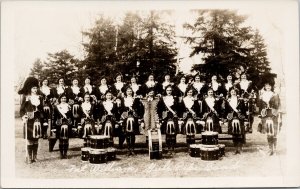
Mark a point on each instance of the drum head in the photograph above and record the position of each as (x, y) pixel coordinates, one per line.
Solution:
(98, 137)
(209, 133)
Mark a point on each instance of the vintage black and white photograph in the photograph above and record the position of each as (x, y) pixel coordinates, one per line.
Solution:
(150, 94)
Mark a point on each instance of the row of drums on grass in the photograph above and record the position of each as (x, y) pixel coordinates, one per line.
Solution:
(210, 149)
(98, 150)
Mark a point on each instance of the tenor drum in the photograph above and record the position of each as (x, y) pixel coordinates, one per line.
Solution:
(211, 153)
(111, 153)
(85, 153)
(155, 144)
(99, 141)
(210, 138)
(195, 150)
(98, 156)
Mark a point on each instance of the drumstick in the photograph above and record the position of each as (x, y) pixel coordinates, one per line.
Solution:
(26, 142)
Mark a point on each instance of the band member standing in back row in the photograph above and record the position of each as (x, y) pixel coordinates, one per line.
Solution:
(102, 89)
(151, 84)
(118, 88)
(167, 111)
(31, 113)
(130, 111)
(235, 114)
(200, 88)
(63, 122)
(89, 88)
(56, 92)
(166, 82)
(227, 86)
(47, 107)
(215, 86)
(74, 94)
(180, 89)
(134, 86)
(270, 124)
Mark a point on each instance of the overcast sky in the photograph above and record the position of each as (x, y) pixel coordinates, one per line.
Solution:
(41, 27)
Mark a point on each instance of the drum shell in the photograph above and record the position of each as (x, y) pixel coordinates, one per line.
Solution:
(221, 150)
(98, 156)
(85, 154)
(155, 155)
(98, 142)
(194, 150)
(111, 154)
(210, 138)
(209, 154)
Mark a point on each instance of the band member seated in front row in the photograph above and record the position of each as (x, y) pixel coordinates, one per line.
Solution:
(63, 122)
(167, 110)
(31, 113)
(108, 113)
(189, 114)
(235, 114)
(130, 110)
(47, 107)
(210, 111)
(75, 96)
(270, 124)
(149, 112)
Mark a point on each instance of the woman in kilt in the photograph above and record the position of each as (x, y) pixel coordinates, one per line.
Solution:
(235, 113)
(87, 112)
(47, 107)
(31, 112)
(131, 109)
(75, 96)
(269, 104)
(167, 111)
(63, 122)
(107, 112)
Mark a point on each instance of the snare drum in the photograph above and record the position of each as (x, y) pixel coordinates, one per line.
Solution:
(99, 141)
(111, 153)
(98, 156)
(210, 138)
(211, 153)
(195, 150)
(221, 150)
(85, 152)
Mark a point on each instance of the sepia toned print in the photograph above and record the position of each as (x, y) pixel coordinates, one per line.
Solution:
(152, 92)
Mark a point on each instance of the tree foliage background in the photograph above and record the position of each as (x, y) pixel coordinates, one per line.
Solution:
(143, 43)
(227, 44)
